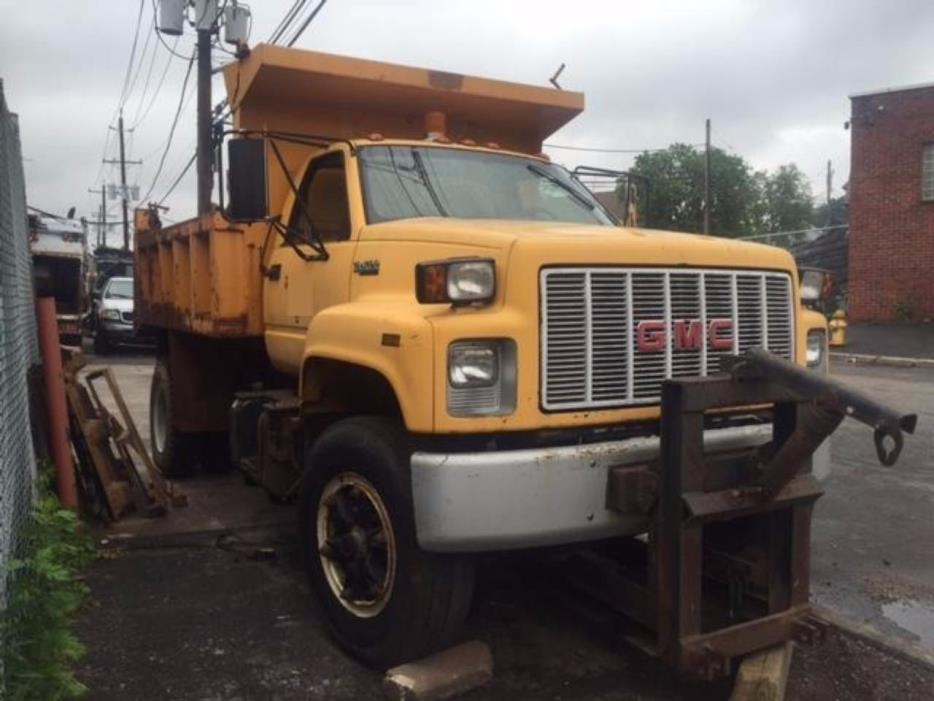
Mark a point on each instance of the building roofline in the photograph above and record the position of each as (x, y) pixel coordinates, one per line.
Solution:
(900, 88)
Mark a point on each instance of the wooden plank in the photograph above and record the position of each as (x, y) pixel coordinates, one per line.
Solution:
(763, 676)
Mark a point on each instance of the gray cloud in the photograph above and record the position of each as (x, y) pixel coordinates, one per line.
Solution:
(773, 76)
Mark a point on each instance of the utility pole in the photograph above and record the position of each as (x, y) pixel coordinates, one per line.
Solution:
(124, 193)
(205, 177)
(829, 193)
(102, 219)
(707, 180)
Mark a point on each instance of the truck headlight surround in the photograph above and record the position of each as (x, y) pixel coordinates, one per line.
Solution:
(481, 377)
(456, 281)
(816, 352)
(110, 314)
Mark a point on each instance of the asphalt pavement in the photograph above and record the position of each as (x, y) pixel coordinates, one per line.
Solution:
(193, 607)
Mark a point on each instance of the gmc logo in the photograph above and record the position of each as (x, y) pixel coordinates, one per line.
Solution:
(687, 334)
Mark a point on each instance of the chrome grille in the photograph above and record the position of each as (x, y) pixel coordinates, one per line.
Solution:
(593, 319)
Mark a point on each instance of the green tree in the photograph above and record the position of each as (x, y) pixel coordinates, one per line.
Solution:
(743, 202)
(676, 193)
(786, 200)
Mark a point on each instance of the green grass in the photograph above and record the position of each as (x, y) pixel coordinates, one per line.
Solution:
(40, 649)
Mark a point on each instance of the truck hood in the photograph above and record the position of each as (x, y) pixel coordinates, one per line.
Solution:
(560, 242)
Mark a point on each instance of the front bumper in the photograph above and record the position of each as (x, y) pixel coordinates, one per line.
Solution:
(472, 502)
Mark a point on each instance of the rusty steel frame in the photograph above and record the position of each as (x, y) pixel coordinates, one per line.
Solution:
(685, 507)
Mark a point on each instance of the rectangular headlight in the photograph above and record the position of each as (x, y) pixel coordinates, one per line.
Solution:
(457, 281)
(815, 284)
(481, 377)
(816, 349)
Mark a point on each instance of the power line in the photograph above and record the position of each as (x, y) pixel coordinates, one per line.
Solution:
(168, 144)
(179, 178)
(283, 26)
(786, 233)
(142, 95)
(594, 149)
(142, 60)
(310, 18)
(129, 67)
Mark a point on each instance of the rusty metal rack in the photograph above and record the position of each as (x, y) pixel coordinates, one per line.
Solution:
(725, 568)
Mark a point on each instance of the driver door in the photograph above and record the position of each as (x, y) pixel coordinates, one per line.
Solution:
(296, 289)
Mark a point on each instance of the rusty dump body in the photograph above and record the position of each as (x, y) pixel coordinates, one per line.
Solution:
(203, 275)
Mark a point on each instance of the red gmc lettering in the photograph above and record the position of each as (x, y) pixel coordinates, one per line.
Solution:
(688, 334)
(721, 334)
(650, 336)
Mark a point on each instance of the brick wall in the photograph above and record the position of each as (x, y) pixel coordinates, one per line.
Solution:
(891, 269)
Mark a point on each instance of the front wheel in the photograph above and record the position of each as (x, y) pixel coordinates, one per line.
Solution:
(386, 600)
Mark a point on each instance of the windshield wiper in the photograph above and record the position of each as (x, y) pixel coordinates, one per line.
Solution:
(542, 173)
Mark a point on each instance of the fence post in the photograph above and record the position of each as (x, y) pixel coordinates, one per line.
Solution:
(55, 401)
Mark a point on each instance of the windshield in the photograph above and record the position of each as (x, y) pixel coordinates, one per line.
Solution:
(120, 289)
(403, 182)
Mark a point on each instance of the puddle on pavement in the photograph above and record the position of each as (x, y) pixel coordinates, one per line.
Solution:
(914, 617)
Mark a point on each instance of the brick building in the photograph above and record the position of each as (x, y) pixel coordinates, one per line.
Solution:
(891, 256)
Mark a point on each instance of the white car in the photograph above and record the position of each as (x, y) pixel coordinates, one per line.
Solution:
(114, 323)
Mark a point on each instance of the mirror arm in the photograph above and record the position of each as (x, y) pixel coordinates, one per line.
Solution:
(317, 244)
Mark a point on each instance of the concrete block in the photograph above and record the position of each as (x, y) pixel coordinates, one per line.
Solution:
(764, 675)
(441, 676)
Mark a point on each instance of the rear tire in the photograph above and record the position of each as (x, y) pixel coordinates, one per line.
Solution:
(386, 600)
(171, 448)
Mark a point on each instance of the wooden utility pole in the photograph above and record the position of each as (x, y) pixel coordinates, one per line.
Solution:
(102, 219)
(829, 193)
(205, 179)
(124, 193)
(707, 180)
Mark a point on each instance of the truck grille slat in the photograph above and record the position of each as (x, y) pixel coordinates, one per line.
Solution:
(593, 318)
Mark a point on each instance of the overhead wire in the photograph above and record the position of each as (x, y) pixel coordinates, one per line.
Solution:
(139, 118)
(286, 21)
(308, 20)
(129, 67)
(168, 144)
(597, 149)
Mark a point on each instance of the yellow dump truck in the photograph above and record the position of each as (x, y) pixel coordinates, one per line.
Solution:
(409, 319)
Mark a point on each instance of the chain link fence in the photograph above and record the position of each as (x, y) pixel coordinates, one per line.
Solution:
(18, 345)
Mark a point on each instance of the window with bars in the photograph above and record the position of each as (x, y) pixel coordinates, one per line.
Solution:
(927, 173)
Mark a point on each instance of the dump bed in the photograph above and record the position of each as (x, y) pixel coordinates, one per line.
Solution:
(203, 275)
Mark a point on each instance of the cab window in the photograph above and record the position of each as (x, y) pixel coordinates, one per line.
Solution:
(322, 210)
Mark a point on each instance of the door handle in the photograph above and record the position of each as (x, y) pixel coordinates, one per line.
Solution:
(274, 272)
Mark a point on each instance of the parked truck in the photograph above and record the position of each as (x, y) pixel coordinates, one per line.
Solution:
(409, 319)
(59, 252)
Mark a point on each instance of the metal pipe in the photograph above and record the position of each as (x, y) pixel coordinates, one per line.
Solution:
(55, 402)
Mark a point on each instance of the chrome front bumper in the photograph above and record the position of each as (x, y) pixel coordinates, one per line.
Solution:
(472, 502)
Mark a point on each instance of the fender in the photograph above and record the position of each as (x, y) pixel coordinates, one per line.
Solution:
(388, 337)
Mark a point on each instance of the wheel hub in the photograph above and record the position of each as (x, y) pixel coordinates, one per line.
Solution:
(356, 544)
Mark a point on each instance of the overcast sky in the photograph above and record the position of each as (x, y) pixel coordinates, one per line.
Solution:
(773, 76)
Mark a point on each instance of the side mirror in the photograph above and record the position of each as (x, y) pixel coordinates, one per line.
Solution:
(246, 181)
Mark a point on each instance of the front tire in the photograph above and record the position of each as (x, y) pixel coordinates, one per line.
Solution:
(386, 600)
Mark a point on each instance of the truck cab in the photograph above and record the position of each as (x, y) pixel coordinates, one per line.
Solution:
(433, 338)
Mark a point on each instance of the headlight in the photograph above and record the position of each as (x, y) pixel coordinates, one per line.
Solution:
(110, 314)
(816, 349)
(481, 378)
(815, 284)
(473, 365)
(458, 281)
